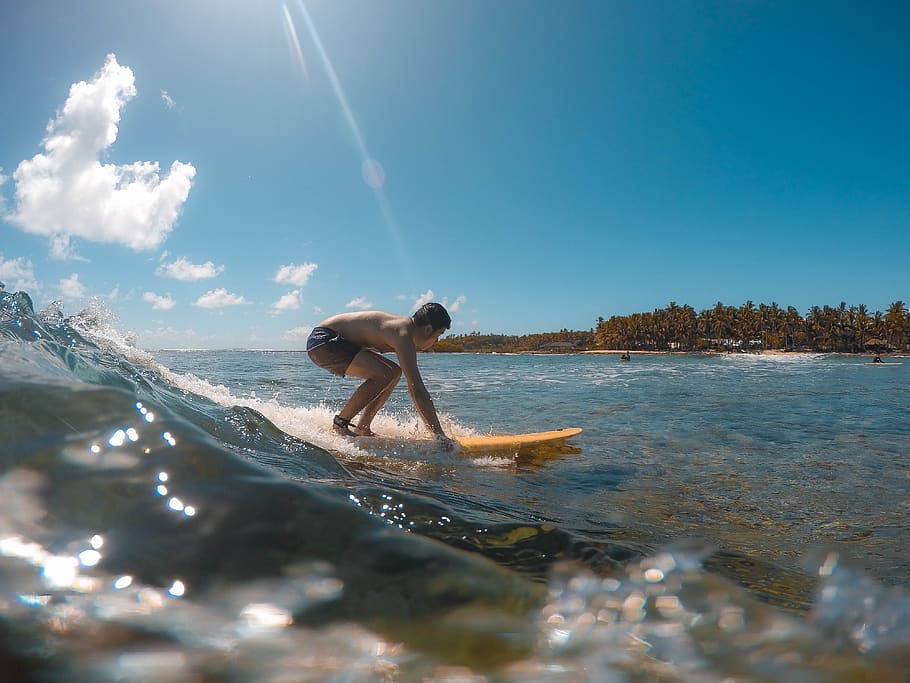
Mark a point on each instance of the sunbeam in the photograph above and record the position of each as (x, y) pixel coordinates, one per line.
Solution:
(294, 40)
(371, 171)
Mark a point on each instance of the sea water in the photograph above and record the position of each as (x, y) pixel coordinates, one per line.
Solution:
(189, 515)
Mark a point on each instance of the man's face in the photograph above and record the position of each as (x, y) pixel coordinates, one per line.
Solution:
(428, 336)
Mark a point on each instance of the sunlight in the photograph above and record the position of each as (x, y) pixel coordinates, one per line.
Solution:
(294, 41)
(372, 172)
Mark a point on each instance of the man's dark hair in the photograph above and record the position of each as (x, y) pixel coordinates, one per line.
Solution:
(432, 314)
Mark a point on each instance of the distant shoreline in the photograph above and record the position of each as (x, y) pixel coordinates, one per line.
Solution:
(765, 352)
(591, 352)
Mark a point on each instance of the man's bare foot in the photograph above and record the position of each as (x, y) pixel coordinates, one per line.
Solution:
(343, 426)
(363, 431)
(346, 428)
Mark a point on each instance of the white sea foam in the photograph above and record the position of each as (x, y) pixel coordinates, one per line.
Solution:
(773, 357)
(310, 423)
(492, 461)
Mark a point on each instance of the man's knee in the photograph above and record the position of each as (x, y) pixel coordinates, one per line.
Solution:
(392, 374)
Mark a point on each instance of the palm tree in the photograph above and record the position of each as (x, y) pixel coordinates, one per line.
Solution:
(747, 327)
(705, 324)
(774, 323)
(897, 325)
(879, 329)
(862, 324)
(720, 324)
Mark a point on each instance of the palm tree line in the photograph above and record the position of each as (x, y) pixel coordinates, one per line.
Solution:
(843, 329)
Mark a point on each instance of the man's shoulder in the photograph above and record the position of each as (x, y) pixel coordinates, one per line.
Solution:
(397, 326)
(379, 318)
(362, 319)
(372, 328)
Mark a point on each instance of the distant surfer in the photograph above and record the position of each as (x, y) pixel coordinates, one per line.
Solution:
(626, 356)
(353, 344)
(877, 359)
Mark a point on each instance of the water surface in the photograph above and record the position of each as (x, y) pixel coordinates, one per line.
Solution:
(190, 516)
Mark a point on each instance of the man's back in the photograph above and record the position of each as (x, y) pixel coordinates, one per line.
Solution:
(371, 329)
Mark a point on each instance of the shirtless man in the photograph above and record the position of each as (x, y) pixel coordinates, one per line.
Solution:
(353, 344)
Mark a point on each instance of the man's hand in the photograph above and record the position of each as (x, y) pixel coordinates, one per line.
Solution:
(447, 444)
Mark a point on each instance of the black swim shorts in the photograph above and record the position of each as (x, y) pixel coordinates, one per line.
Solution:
(330, 351)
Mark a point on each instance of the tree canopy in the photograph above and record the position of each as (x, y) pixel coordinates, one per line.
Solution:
(846, 329)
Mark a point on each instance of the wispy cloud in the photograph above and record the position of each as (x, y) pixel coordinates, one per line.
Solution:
(159, 302)
(184, 269)
(219, 298)
(169, 337)
(298, 333)
(424, 298)
(71, 288)
(428, 296)
(295, 275)
(289, 302)
(456, 305)
(113, 295)
(18, 274)
(65, 192)
(360, 303)
(168, 100)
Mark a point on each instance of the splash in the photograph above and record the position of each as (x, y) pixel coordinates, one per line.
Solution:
(310, 423)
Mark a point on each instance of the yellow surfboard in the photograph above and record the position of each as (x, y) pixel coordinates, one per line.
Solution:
(475, 444)
(498, 442)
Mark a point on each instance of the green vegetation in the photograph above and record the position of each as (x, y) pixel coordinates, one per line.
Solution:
(842, 329)
(563, 341)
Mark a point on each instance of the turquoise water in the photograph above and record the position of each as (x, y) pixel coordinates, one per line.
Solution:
(189, 516)
(767, 455)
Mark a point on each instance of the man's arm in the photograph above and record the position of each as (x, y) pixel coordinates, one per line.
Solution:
(407, 358)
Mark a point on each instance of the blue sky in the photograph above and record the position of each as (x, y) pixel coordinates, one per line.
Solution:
(228, 173)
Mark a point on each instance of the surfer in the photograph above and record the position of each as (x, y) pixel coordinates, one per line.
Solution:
(353, 344)
(877, 359)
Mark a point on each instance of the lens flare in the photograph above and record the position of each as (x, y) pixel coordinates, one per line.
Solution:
(372, 171)
(294, 41)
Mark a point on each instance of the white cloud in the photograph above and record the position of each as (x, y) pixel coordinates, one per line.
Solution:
(168, 100)
(289, 302)
(219, 298)
(298, 333)
(65, 192)
(429, 296)
(456, 305)
(18, 274)
(113, 295)
(71, 288)
(183, 269)
(158, 302)
(171, 338)
(61, 249)
(295, 275)
(424, 298)
(360, 303)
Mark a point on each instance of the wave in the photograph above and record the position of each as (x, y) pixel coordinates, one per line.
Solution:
(156, 526)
